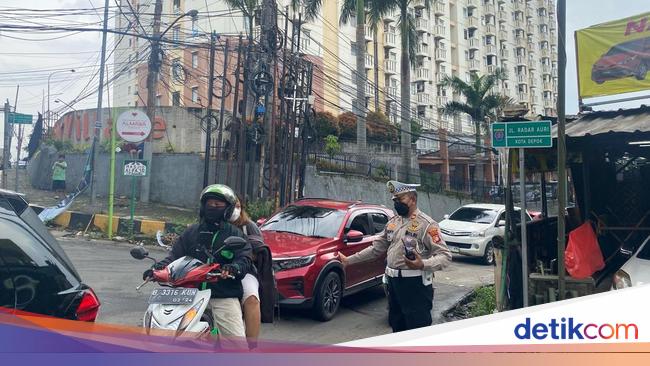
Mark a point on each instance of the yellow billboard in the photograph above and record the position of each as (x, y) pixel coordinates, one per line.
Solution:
(614, 57)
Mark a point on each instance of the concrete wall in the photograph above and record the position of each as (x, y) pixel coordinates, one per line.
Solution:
(342, 187)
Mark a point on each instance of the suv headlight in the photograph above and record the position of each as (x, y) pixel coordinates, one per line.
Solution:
(291, 263)
(476, 234)
(621, 280)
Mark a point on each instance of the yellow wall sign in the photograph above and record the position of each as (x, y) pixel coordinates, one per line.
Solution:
(614, 57)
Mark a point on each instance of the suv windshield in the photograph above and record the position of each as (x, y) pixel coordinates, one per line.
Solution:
(307, 221)
(474, 214)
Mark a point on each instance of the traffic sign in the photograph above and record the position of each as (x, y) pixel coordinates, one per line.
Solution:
(20, 118)
(522, 134)
(133, 126)
(135, 168)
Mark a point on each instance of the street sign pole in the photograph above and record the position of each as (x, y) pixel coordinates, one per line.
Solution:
(524, 238)
(134, 168)
(133, 179)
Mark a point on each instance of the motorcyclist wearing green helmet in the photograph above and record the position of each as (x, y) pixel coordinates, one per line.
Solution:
(208, 236)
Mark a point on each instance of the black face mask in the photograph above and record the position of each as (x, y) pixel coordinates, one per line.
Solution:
(402, 209)
(213, 215)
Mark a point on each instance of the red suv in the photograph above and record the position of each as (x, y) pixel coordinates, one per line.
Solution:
(305, 239)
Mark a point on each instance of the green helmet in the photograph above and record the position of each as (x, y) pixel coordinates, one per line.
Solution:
(219, 191)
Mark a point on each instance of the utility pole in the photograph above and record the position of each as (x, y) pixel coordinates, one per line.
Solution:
(235, 112)
(19, 138)
(360, 105)
(152, 76)
(222, 110)
(561, 146)
(6, 145)
(208, 124)
(100, 117)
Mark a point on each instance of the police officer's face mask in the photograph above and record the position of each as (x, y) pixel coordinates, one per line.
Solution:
(401, 208)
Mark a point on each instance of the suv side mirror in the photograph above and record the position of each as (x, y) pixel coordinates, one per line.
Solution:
(235, 243)
(445, 217)
(139, 253)
(353, 236)
(501, 223)
(261, 221)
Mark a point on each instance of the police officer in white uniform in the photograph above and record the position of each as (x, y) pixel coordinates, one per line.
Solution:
(409, 234)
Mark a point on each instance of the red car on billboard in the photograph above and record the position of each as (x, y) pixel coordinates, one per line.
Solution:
(305, 239)
(626, 59)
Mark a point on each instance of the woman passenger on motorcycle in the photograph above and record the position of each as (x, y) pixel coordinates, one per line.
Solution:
(259, 283)
(204, 241)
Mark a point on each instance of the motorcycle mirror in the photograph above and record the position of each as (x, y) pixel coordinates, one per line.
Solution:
(235, 243)
(139, 253)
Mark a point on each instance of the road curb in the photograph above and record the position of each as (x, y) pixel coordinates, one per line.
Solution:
(74, 220)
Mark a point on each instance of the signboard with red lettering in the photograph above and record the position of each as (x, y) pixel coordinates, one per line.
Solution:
(133, 126)
(614, 57)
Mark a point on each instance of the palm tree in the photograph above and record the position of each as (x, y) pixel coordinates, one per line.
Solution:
(481, 104)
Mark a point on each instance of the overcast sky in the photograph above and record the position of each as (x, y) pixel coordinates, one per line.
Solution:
(30, 62)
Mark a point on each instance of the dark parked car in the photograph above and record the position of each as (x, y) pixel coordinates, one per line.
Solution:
(36, 275)
(626, 59)
(305, 239)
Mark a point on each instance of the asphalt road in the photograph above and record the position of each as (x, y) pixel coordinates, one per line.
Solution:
(109, 269)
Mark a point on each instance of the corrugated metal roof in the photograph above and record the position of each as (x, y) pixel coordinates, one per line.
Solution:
(602, 122)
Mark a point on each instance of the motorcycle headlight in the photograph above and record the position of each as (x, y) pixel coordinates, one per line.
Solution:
(291, 263)
(189, 316)
(621, 280)
(476, 234)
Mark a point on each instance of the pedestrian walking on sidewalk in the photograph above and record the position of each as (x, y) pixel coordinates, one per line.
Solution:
(414, 250)
(58, 175)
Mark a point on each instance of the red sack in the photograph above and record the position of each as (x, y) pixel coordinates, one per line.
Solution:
(583, 256)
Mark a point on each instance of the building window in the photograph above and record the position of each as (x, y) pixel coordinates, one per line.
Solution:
(195, 94)
(195, 60)
(176, 99)
(306, 40)
(177, 4)
(176, 35)
(136, 103)
(195, 26)
(157, 100)
(353, 48)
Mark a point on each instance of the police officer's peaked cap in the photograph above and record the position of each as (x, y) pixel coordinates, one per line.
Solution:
(396, 188)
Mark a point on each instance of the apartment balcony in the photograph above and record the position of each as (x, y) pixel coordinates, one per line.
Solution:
(422, 50)
(491, 69)
(543, 36)
(441, 77)
(532, 64)
(439, 31)
(522, 79)
(390, 40)
(503, 35)
(490, 49)
(532, 47)
(472, 3)
(548, 103)
(491, 29)
(441, 55)
(442, 100)
(554, 73)
(530, 28)
(474, 65)
(519, 25)
(522, 97)
(535, 99)
(548, 86)
(390, 67)
(545, 53)
(503, 16)
(542, 19)
(518, 5)
(418, 4)
(422, 25)
(392, 92)
(546, 70)
(505, 54)
(422, 98)
(551, 6)
(368, 33)
(439, 8)
(521, 42)
(489, 9)
(370, 62)
(553, 54)
(542, 4)
(522, 61)
(391, 16)
(370, 90)
(474, 43)
(473, 22)
(422, 74)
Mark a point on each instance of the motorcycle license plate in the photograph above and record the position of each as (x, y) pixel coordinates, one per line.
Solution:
(173, 296)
